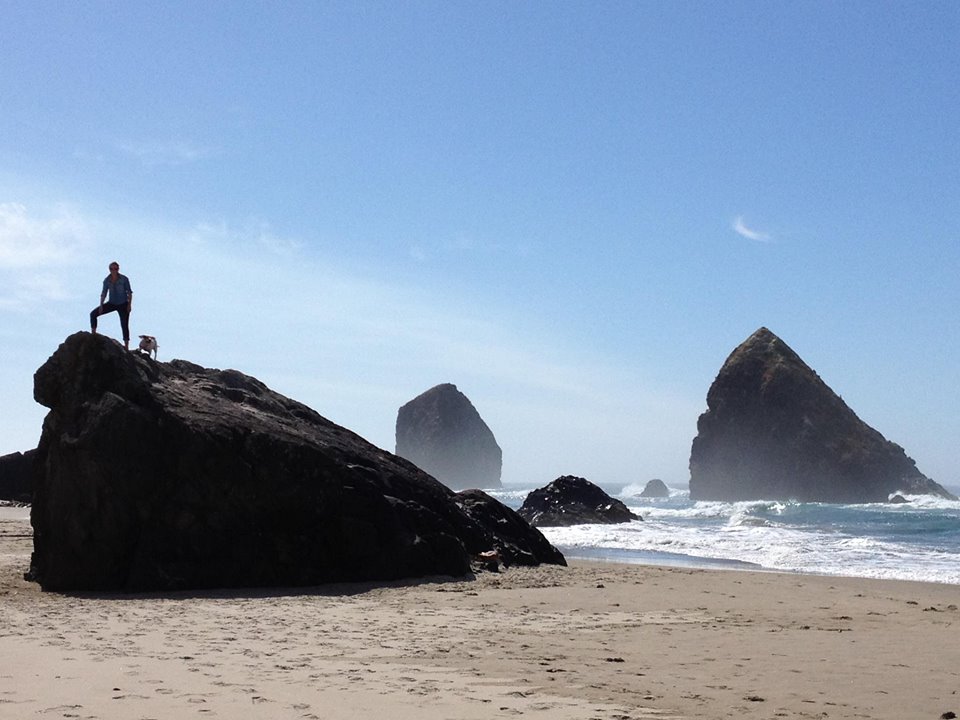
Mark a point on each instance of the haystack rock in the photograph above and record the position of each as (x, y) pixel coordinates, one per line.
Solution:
(571, 500)
(773, 430)
(442, 432)
(161, 476)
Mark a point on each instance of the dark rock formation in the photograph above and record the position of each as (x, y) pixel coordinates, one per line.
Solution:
(16, 470)
(655, 489)
(570, 500)
(774, 430)
(441, 432)
(159, 476)
(513, 539)
(898, 500)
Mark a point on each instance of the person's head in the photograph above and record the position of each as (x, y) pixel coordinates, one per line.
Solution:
(114, 267)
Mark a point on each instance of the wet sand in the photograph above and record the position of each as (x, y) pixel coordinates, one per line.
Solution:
(595, 640)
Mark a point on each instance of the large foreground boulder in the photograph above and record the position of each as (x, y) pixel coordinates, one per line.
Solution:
(571, 500)
(16, 471)
(774, 430)
(159, 476)
(442, 432)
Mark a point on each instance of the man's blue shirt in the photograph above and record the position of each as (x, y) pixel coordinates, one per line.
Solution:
(119, 292)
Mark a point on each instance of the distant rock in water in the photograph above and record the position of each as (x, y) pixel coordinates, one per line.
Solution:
(655, 489)
(773, 430)
(441, 432)
(571, 500)
(16, 471)
(159, 476)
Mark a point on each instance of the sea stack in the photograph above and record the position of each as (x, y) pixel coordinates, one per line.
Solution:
(774, 430)
(656, 488)
(571, 500)
(155, 476)
(441, 432)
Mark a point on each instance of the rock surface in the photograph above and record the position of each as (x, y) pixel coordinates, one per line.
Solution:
(655, 489)
(161, 476)
(773, 430)
(441, 432)
(571, 500)
(513, 532)
(16, 470)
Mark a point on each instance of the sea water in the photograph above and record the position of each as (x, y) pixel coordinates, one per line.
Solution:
(918, 540)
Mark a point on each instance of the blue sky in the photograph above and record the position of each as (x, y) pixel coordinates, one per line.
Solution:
(573, 211)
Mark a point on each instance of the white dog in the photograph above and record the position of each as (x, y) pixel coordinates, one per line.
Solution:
(148, 343)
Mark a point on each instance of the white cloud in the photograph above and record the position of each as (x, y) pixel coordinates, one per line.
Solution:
(742, 230)
(165, 152)
(27, 241)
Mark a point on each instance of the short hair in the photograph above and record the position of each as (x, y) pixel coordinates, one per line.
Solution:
(110, 266)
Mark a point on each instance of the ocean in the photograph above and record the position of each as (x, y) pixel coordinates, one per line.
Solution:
(919, 540)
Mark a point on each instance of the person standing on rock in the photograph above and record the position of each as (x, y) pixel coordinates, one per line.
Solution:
(117, 286)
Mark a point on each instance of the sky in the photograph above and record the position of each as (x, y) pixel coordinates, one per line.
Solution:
(573, 211)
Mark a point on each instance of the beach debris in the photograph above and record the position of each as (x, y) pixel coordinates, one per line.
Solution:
(488, 559)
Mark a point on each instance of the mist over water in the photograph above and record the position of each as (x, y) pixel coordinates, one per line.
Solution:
(919, 540)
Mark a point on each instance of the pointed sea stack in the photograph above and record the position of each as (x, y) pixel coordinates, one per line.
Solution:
(774, 430)
(442, 433)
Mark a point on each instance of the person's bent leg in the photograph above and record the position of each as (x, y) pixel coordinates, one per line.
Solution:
(94, 314)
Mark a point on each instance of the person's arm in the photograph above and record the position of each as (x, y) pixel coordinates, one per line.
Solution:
(129, 297)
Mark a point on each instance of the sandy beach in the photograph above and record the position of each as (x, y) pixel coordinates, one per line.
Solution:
(594, 640)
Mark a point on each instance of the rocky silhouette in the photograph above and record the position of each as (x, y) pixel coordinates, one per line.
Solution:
(513, 532)
(571, 500)
(16, 470)
(160, 476)
(441, 432)
(774, 430)
(655, 489)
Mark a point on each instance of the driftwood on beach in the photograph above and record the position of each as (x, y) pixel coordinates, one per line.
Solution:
(157, 476)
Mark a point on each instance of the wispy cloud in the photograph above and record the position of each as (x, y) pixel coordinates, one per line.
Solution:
(165, 152)
(38, 248)
(30, 241)
(253, 233)
(741, 229)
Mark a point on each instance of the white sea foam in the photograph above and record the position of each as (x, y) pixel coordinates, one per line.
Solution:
(768, 545)
(919, 540)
